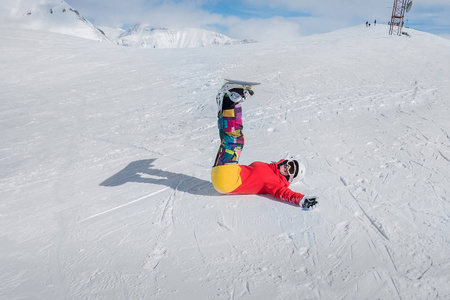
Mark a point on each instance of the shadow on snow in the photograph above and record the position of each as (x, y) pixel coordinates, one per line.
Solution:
(142, 171)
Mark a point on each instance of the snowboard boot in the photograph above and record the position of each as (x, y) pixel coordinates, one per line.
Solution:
(231, 94)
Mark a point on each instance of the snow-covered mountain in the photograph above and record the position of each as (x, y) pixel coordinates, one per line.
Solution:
(111, 32)
(106, 155)
(59, 17)
(149, 37)
(48, 15)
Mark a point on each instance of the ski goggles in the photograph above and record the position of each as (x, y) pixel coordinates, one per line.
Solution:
(292, 169)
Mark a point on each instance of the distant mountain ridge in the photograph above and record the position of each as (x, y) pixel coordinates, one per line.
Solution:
(59, 17)
(153, 37)
(48, 15)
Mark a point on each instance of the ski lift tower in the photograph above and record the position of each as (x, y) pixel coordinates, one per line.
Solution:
(398, 14)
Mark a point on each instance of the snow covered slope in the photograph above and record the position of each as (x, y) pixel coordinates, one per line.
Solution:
(111, 32)
(105, 158)
(149, 37)
(48, 15)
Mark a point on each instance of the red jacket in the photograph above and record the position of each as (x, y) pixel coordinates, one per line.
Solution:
(262, 178)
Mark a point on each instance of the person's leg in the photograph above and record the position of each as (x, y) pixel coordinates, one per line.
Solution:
(225, 174)
(230, 131)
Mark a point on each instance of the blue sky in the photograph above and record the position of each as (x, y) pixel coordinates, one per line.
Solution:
(431, 18)
(247, 10)
(262, 19)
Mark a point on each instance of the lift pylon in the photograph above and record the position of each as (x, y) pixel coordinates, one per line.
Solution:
(398, 14)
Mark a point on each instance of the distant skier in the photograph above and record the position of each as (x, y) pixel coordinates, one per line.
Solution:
(375, 23)
(228, 176)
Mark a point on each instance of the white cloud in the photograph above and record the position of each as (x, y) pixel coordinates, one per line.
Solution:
(273, 29)
(322, 16)
(313, 16)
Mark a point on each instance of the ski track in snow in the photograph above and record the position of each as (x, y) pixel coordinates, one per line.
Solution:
(106, 155)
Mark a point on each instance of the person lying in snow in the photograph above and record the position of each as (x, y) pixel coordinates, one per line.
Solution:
(228, 176)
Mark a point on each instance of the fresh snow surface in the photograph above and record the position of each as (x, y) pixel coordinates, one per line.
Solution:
(106, 152)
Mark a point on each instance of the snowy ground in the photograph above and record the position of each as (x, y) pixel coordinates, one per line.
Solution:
(105, 158)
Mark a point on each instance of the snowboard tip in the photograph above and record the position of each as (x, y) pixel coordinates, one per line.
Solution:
(241, 82)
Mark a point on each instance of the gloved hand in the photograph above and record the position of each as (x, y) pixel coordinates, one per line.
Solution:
(308, 201)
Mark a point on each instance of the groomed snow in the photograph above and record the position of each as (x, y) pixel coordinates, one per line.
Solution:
(106, 151)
